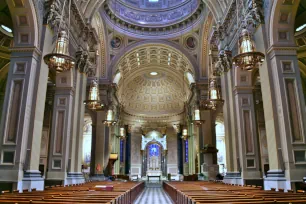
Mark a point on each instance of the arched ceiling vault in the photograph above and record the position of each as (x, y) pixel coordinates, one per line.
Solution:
(181, 57)
(161, 94)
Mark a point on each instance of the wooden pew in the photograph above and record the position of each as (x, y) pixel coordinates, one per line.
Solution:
(216, 192)
(121, 193)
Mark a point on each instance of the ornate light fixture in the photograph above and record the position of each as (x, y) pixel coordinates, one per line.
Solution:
(60, 60)
(110, 119)
(122, 133)
(93, 101)
(214, 96)
(247, 58)
(184, 133)
(197, 116)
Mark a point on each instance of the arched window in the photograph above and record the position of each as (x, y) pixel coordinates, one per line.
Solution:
(117, 78)
(190, 78)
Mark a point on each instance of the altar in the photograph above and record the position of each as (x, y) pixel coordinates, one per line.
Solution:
(154, 156)
(154, 173)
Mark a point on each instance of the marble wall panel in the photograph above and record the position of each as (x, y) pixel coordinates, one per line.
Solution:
(135, 148)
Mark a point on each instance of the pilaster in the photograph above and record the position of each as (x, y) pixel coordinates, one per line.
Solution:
(246, 124)
(59, 161)
(288, 114)
(21, 123)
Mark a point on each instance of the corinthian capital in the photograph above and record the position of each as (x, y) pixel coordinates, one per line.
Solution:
(82, 61)
(224, 62)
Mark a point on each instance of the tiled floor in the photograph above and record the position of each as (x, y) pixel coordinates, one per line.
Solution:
(153, 196)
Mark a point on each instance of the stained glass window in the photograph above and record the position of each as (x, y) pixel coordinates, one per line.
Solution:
(154, 150)
(186, 150)
(121, 150)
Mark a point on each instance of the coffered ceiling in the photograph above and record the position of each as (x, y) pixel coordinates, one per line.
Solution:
(153, 82)
(148, 95)
(157, 55)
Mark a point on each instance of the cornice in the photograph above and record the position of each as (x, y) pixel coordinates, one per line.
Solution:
(281, 48)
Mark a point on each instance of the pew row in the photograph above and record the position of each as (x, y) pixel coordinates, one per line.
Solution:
(212, 192)
(91, 192)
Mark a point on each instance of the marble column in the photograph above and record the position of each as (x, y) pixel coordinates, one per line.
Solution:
(261, 128)
(100, 146)
(93, 149)
(116, 149)
(210, 166)
(246, 126)
(59, 161)
(128, 152)
(233, 174)
(180, 160)
(284, 110)
(21, 123)
(75, 175)
(191, 149)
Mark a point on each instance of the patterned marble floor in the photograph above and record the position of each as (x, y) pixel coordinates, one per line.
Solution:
(153, 196)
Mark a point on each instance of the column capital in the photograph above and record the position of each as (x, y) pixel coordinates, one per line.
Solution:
(85, 63)
(18, 52)
(177, 128)
(223, 63)
(275, 50)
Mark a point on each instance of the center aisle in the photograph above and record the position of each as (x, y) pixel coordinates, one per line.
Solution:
(153, 196)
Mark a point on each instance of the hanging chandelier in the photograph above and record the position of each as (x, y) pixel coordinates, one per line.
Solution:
(93, 101)
(110, 118)
(197, 116)
(247, 58)
(185, 133)
(122, 133)
(60, 60)
(214, 95)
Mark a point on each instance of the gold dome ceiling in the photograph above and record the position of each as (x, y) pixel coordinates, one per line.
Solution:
(151, 95)
(153, 82)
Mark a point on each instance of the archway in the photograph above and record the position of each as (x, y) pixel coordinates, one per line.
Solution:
(154, 154)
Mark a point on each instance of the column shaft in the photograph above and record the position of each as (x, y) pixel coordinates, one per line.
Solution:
(229, 125)
(21, 123)
(58, 164)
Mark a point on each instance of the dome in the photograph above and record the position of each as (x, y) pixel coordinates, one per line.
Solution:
(152, 17)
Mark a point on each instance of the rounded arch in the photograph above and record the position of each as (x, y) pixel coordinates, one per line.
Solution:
(25, 25)
(206, 30)
(282, 9)
(154, 137)
(154, 142)
(102, 61)
(171, 45)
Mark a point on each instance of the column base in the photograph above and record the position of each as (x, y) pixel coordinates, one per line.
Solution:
(276, 179)
(233, 178)
(211, 171)
(74, 178)
(31, 179)
(97, 177)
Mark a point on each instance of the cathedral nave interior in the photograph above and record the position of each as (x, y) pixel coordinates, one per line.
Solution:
(153, 94)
